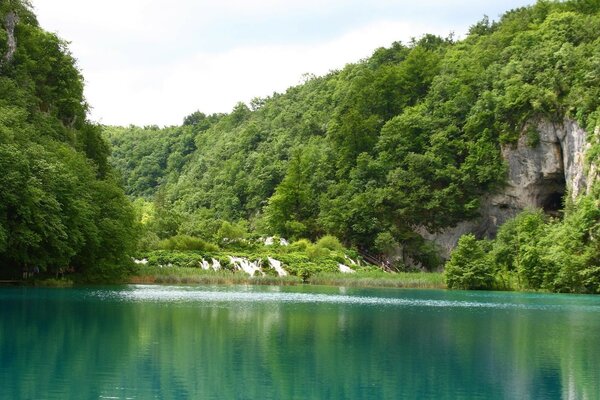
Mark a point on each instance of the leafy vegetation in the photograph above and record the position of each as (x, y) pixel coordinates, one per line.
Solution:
(362, 158)
(60, 206)
(468, 267)
(366, 278)
(413, 280)
(302, 259)
(534, 252)
(407, 138)
(191, 275)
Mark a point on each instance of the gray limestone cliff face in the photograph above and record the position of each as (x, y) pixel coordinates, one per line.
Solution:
(10, 22)
(538, 177)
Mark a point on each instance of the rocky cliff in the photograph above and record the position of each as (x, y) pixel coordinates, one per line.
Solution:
(543, 166)
(10, 21)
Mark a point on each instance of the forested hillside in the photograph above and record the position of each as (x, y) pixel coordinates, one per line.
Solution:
(408, 138)
(60, 206)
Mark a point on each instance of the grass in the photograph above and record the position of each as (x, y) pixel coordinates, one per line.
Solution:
(421, 280)
(185, 275)
(54, 282)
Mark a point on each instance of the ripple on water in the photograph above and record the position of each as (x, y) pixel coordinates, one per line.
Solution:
(182, 294)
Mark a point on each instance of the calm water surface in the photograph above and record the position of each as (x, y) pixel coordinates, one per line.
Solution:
(172, 342)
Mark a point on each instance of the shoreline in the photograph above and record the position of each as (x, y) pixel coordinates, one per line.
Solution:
(191, 276)
(367, 279)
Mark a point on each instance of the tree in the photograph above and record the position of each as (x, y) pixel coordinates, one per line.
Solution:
(60, 206)
(468, 267)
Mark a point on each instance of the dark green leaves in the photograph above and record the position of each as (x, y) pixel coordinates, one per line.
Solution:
(60, 207)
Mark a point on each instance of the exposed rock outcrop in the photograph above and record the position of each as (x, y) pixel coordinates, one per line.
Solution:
(10, 22)
(593, 174)
(540, 172)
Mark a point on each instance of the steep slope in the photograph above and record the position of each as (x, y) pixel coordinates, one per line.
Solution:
(60, 207)
(407, 144)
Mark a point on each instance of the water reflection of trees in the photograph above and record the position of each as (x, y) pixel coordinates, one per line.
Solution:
(284, 351)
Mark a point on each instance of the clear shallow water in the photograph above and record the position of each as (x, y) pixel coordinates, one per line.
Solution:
(173, 342)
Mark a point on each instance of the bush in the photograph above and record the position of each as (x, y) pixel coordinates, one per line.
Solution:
(148, 241)
(516, 248)
(571, 249)
(331, 243)
(468, 267)
(315, 252)
(300, 245)
(295, 229)
(174, 258)
(231, 231)
(185, 242)
(385, 243)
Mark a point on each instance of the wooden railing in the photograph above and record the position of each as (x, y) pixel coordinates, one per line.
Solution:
(375, 260)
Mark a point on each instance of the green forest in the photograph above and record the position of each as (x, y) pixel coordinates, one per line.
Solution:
(347, 164)
(62, 207)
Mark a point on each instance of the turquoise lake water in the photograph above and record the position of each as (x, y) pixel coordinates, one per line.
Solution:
(174, 342)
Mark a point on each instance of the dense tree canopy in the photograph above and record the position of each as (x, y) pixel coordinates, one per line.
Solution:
(406, 138)
(60, 207)
(533, 251)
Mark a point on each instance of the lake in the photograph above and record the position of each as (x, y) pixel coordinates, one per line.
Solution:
(190, 342)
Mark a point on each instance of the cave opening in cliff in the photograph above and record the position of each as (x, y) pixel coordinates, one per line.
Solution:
(554, 203)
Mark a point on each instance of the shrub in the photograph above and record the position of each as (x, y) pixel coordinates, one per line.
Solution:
(517, 248)
(571, 250)
(148, 241)
(300, 245)
(231, 231)
(385, 243)
(469, 267)
(295, 228)
(185, 242)
(315, 252)
(331, 243)
(174, 258)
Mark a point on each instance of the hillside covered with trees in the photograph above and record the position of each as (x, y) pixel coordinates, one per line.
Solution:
(60, 206)
(407, 138)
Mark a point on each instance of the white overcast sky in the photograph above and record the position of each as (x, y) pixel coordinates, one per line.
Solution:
(155, 61)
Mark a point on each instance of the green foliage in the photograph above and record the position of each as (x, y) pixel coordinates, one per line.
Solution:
(571, 249)
(409, 137)
(302, 259)
(468, 267)
(366, 278)
(532, 137)
(331, 243)
(315, 253)
(533, 252)
(517, 248)
(60, 205)
(276, 166)
(232, 232)
(301, 245)
(146, 157)
(185, 242)
(385, 243)
(176, 258)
